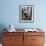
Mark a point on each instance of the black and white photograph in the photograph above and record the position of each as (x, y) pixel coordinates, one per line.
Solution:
(26, 13)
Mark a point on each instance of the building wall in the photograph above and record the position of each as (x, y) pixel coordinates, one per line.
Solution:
(9, 13)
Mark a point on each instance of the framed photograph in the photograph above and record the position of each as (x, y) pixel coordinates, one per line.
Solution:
(26, 13)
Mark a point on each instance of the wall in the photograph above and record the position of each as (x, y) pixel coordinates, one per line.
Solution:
(9, 13)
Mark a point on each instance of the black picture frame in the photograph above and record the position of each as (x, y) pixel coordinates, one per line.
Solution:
(26, 13)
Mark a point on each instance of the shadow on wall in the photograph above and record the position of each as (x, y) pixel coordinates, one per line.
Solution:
(2, 26)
